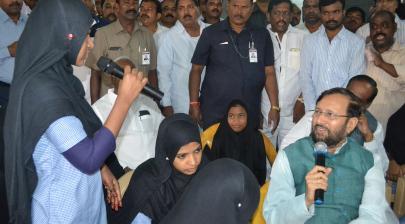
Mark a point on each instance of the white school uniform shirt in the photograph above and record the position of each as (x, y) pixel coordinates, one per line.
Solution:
(136, 140)
(176, 48)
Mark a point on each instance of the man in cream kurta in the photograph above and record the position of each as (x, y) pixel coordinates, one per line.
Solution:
(287, 44)
(386, 65)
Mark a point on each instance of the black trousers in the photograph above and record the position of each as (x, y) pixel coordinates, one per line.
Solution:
(3, 195)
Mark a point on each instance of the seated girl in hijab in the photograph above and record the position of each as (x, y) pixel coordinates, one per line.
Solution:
(224, 192)
(158, 183)
(54, 143)
(234, 138)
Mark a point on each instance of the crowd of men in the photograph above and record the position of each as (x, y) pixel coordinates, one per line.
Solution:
(287, 70)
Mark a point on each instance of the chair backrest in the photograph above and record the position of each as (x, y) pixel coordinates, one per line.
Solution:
(124, 182)
(258, 215)
(207, 138)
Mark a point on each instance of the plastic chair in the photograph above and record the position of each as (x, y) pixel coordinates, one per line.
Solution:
(124, 182)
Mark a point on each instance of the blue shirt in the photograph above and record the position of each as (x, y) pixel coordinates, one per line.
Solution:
(10, 32)
(325, 65)
(63, 193)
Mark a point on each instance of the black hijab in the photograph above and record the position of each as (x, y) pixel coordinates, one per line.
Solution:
(223, 192)
(246, 146)
(43, 89)
(394, 138)
(155, 185)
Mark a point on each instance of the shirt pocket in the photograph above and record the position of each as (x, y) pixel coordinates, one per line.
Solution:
(114, 52)
(294, 58)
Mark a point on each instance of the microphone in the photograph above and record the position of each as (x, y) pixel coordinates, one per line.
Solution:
(108, 66)
(320, 151)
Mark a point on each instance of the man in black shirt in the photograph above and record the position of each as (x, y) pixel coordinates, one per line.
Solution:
(239, 60)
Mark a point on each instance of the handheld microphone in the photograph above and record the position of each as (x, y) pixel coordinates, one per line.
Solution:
(108, 66)
(320, 151)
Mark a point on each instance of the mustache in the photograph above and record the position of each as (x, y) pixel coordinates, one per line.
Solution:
(331, 21)
(375, 35)
(169, 15)
(239, 16)
(320, 126)
(187, 16)
(145, 16)
(131, 11)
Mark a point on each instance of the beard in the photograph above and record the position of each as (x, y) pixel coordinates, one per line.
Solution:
(332, 25)
(331, 139)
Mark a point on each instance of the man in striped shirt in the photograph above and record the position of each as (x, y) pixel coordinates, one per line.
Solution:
(330, 56)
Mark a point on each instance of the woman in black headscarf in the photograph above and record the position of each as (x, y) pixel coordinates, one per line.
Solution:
(157, 184)
(224, 192)
(54, 143)
(236, 139)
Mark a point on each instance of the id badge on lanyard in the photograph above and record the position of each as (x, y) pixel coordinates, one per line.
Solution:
(252, 53)
(145, 57)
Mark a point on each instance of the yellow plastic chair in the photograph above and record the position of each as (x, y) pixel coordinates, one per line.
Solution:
(208, 136)
(258, 215)
(124, 182)
(206, 139)
(398, 199)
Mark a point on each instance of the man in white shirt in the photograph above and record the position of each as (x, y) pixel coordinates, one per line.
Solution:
(391, 6)
(176, 47)
(150, 12)
(371, 130)
(353, 184)
(136, 140)
(287, 44)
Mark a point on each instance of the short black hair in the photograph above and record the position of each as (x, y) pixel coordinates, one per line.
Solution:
(354, 108)
(323, 3)
(383, 13)
(195, 3)
(357, 9)
(277, 2)
(369, 80)
(157, 4)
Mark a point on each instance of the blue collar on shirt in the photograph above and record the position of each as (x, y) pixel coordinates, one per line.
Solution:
(5, 18)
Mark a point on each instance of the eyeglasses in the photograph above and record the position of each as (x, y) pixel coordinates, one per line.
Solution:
(327, 114)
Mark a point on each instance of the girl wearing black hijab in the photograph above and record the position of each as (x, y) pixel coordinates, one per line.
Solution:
(236, 139)
(224, 192)
(157, 184)
(54, 143)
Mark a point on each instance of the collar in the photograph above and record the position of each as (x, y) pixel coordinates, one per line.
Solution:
(341, 35)
(111, 95)
(5, 18)
(290, 29)
(338, 149)
(179, 28)
(397, 19)
(117, 27)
